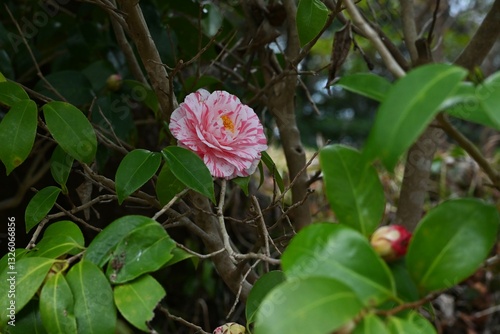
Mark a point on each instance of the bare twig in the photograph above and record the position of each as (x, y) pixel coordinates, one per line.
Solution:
(261, 224)
(186, 323)
(198, 255)
(220, 217)
(409, 28)
(368, 31)
(169, 204)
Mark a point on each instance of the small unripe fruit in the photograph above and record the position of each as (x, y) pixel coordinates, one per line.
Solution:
(230, 328)
(391, 242)
(114, 82)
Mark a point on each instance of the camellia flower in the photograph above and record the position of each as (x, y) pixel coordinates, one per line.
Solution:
(230, 328)
(224, 132)
(391, 242)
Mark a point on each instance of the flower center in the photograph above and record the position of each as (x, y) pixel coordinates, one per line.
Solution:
(228, 123)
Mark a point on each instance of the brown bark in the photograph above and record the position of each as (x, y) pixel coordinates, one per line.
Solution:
(150, 57)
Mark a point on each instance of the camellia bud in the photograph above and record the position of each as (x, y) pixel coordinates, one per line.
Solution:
(391, 242)
(114, 82)
(230, 328)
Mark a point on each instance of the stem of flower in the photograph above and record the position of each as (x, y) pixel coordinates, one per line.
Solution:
(222, 225)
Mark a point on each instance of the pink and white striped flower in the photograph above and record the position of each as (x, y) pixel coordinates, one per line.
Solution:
(224, 132)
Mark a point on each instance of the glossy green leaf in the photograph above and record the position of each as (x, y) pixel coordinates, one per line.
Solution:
(311, 17)
(409, 107)
(145, 249)
(488, 94)
(40, 205)
(28, 320)
(243, 183)
(11, 257)
(371, 324)
(136, 300)
(94, 308)
(406, 288)
(60, 167)
(369, 85)
(17, 133)
(100, 248)
(268, 161)
(306, 306)
(71, 129)
(56, 306)
(167, 185)
(67, 228)
(451, 242)
(179, 255)
(60, 238)
(11, 93)
(352, 188)
(190, 170)
(27, 274)
(413, 323)
(464, 103)
(136, 168)
(340, 252)
(260, 290)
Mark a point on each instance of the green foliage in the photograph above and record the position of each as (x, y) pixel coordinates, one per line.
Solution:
(353, 188)
(311, 17)
(17, 133)
(451, 242)
(190, 170)
(40, 205)
(408, 108)
(57, 305)
(136, 168)
(60, 167)
(167, 185)
(260, 290)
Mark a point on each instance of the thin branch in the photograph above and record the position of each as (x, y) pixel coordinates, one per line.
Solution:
(388, 59)
(433, 23)
(243, 279)
(198, 255)
(264, 235)
(169, 204)
(38, 230)
(470, 148)
(409, 28)
(186, 323)
(222, 225)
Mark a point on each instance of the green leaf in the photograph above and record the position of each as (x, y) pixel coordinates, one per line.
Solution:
(371, 324)
(27, 274)
(413, 323)
(340, 252)
(353, 188)
(40, 205)
(56, 306)
(369, 85)
(17, 133)
(464, 103)
(60, 238)
(167, 185)
(409, 107)
(11, 93)
(71, 129)
(28, 320)
(451, 242)
(178, 255)
(60, 167)
(268, 161)
(305, 306)
(136, 300)
(260, 290)
(488, 94)
(94, 309)
(406, 288)
(190, 170)
(136, 168)
(242, 182)
(100, 248)
(145, 249)
(311, 17)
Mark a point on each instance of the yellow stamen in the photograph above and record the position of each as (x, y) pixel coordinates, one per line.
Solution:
(228, 123)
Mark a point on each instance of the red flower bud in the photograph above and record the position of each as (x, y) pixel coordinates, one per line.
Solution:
(391, 242)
